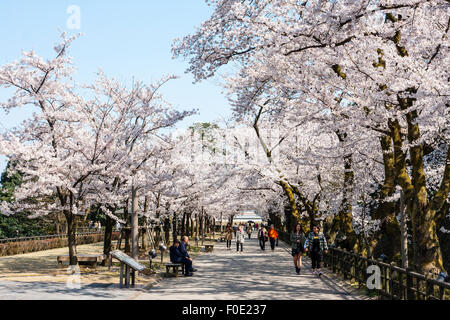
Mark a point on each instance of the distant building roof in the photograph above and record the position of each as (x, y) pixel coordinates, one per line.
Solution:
(248, 217)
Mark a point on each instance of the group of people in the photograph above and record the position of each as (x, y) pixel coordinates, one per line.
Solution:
(315, 243)
(179, 254)
(239, 234)
(270, 235)
(95, 225)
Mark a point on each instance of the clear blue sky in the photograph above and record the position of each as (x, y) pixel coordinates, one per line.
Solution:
(125, 38)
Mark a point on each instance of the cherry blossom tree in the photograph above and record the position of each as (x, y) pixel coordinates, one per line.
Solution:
(372, 73)
(78, 150)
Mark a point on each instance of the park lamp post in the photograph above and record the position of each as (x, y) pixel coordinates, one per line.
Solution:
(162, 248)
(152, 255)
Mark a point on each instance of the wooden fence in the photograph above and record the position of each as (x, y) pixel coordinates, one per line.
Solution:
(395, 283)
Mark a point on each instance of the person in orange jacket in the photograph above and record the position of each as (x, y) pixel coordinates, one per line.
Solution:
(273, 237)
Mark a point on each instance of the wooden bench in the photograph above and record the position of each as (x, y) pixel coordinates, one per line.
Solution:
(209, 248)
(175, 267)
(83, 259)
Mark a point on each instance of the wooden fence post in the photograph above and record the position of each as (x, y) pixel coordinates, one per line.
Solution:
(400, 285)
(429, 287)
(390, 291)
(409, 285)
(333, 261)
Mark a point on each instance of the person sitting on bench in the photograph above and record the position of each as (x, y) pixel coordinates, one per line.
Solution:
(182, 248)
(177, 257)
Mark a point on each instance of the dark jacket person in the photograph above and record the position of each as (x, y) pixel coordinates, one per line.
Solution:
(176, 256)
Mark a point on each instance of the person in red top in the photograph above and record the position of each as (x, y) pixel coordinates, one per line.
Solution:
(273, 237)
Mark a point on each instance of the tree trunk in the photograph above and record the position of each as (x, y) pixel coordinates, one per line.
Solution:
(145, 230)
(308, 206)
(427, 253)
(157, 235)
(291, 198)
(144, 237)
(197, 229)
(334, 229)
(191, 228)
(174, 226)
(167, 231)
(134, 223)
(231, 219)
(59, 224)
(203, 223)
(429, 256)
(346, 218)
(404, 231)
(183, 224)
(107, 242)
(126, 229)
(71, 237)
(188, 216)
(388, 237)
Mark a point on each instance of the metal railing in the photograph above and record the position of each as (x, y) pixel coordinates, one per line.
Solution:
(396, 283)
(79, 232)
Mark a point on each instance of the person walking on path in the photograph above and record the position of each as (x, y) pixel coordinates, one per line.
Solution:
(228, 236)
(262, 236)
(240, 238)
(249, 231)
(273, 237)
(316, 244)
(297, 242)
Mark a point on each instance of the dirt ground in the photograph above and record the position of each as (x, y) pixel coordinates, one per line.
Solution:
(42, 266)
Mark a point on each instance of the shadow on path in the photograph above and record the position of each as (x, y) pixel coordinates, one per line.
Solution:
(251, 275)
(222, 275)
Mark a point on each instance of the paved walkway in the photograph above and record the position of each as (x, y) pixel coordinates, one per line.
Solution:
(251, 275)
(59, 291)
(222, 275)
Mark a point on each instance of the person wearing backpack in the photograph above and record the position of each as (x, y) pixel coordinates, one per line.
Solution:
(316, 244)
(297, 241)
